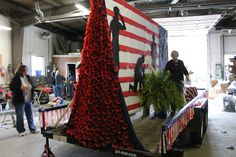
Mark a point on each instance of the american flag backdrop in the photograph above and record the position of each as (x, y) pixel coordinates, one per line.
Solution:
(134, 41)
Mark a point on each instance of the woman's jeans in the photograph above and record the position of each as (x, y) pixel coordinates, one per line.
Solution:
(71, 90)
(59, 90)
(20, 109)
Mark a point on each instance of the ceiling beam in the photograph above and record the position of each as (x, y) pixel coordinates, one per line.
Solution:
(144, 2)
(64, 17)
(155, 9)
(14, 6)
(61, 26)
(186, 6)
(63, 12)
(60, 10)
(48, 13)
(53, 2)
(55, 28)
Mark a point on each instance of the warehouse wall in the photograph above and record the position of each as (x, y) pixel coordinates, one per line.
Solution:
(229, 42)
(5, 48)
(219, 44)
(5, 43)
(215, 54)
(34, 44)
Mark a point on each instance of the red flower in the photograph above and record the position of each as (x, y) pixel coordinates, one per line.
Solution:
(117, 101)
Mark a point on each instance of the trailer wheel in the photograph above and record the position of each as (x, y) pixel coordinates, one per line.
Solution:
(196, 136)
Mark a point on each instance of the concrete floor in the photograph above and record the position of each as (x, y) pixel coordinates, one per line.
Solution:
(221, 134)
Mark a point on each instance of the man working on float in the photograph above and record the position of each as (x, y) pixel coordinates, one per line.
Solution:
(176, 69)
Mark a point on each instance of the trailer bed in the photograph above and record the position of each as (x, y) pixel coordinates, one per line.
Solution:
(148, 130)
(156, 135)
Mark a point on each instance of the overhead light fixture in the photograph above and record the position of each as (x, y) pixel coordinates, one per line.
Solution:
(6, 28)
(82, 9)
(174, 1)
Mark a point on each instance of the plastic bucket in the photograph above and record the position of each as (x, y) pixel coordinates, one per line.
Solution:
(38, 72)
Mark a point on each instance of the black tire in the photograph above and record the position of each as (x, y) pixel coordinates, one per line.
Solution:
(205, 119)
(232, 107)
(196, 136)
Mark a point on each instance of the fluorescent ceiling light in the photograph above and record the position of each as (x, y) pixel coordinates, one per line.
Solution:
(174, 1)
(82, 9)
(5, 28)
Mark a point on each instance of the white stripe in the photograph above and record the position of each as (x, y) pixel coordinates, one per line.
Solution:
(125, 86)
(128, 57)
(131, 100)
(132, 58)
(135, 110)
(130, 72)
(131, 15)
(135, 44)
(130, 42)
(126, 73)
(138, 31)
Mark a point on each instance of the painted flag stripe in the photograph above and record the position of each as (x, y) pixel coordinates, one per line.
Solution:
(133, 106)
(134, 36)
(130, 93)
(134, 50)
(134, 23)
(128, 49)
(126, 79)
(124, 65)
(131, 8)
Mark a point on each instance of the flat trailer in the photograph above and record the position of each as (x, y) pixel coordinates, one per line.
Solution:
(121, 44)
(193, 118)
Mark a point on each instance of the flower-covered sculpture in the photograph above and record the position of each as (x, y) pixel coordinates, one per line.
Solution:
(99, 116)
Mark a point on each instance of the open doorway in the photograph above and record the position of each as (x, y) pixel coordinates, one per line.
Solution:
(37, 65)
(226, 66)
(71, 74)
(70, 69)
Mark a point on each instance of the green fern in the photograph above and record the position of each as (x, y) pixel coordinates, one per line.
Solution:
(161, 92)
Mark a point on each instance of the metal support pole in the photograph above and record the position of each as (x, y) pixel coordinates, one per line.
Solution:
(47, 151)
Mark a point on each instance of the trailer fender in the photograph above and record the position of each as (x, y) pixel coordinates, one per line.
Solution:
(202, 104)
(205, 118)
(197, 127)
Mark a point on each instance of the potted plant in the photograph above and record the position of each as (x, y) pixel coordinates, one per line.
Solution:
(161, 92)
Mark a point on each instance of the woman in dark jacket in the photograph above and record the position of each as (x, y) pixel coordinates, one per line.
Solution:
(59, 84)
(22, 95)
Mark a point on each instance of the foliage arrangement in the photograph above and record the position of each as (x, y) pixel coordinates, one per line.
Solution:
(161, 92)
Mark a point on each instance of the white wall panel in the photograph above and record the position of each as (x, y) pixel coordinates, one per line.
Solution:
(34, 45)
(215, 53)
(5, 42)
(230, 44)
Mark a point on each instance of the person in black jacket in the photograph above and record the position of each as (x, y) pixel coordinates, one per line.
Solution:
(59, 80)
(176, 69)
(22, 95)
(53, 77)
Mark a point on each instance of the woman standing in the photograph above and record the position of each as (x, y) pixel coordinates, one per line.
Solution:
(22, 95)
(59, 84)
